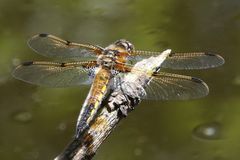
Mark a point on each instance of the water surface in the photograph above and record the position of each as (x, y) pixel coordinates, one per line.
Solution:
(36, 122)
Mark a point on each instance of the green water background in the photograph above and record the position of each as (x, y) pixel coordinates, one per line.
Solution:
(36, 123)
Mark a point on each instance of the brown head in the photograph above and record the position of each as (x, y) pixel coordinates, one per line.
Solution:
(116, 53)
(122, 46)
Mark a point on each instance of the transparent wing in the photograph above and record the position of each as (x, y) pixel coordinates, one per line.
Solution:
(52, 46)
(167, 86)
(197, 60)
(52, 74)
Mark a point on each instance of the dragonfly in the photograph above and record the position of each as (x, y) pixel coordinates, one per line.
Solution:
(77, 64)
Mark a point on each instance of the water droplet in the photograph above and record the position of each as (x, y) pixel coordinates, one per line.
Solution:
(17, 149)
(16, 61)
(36, 97)
(137, 151)
(22, 116)
(62, 126)
(142, 140)
(208, 131)
(32, 155)
(236, 80)
(3, 79)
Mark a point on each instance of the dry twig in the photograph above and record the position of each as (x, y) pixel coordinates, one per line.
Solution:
(122, 100)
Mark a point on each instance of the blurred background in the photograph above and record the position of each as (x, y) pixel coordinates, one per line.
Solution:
(36, 123)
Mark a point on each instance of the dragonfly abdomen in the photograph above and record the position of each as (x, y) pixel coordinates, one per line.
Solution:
(94, 99)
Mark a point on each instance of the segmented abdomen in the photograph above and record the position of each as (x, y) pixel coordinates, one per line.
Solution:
(94, 99)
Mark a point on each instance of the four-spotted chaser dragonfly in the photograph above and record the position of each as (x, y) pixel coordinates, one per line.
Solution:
(81, 64)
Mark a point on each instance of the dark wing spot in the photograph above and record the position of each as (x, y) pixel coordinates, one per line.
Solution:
(63, 65)
(68, 42)
(171, 54)
(43, 35)
(27, 63)
(197, 80)
(210, 54)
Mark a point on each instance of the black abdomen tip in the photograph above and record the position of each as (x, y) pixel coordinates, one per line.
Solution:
(43, 35)
(27, 63)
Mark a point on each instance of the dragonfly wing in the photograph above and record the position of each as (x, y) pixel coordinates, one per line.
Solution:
(197, 60)
(167, 86)
(52, 46)
(52, 74)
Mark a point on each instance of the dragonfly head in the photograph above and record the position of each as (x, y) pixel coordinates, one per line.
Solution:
(116, 52)
(121, 46)
(125, 45)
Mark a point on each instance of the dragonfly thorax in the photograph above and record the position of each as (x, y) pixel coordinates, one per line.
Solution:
(107, 59)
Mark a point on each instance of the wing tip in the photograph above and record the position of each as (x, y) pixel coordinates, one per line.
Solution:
(31, 41)
(14, 72)
(199, 81)
(42, 35)
(220, 59)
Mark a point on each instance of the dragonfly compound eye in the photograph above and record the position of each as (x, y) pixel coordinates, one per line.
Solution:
(125, 45)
